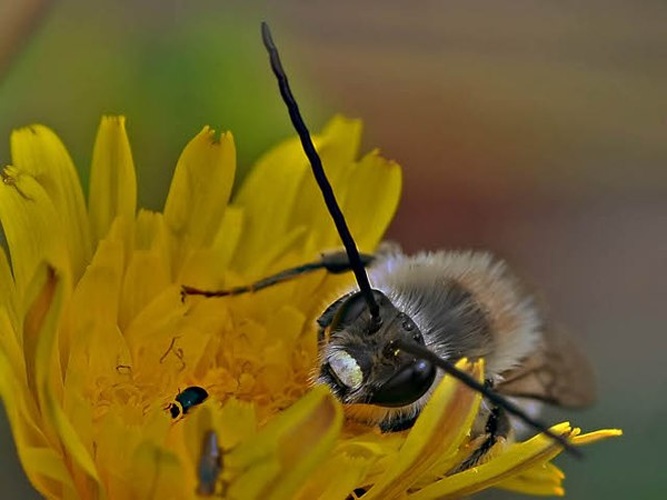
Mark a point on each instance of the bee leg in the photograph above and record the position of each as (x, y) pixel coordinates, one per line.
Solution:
(497, 427)
(334, 263)
(357, 493)
(398, 424)
(338, 262)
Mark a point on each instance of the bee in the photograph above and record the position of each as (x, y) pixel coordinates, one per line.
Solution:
(384, 347)
(186, 400)
(210, 464)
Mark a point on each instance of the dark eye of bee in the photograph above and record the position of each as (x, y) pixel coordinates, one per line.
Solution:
(409, 384)
(349, 311)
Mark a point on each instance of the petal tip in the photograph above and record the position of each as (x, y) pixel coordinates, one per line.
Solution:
(118, 120)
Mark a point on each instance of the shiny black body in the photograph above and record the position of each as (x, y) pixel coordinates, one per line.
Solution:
(186, 399)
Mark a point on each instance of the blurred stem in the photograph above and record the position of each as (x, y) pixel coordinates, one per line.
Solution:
(18, 20)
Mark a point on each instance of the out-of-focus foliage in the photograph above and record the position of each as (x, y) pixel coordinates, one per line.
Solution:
(170, 67)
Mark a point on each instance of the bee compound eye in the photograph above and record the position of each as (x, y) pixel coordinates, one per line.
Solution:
(349, 311)
(354, 309)
(406, 386)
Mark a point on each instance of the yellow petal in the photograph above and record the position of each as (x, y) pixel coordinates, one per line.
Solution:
(200, 189)
(367, 191)
(207, 268)
(228, 237)
(292, 444)
(542, 479)
(347, 134)
(237, 422)
(21, 408)
(43, 466)
(133, 461)
(32, 227)
(340, 165)
(41, 154)
(266, 197)
(167, 345)
(40, 331)
(280, 186)
(10, 345)
(545, 478)
(48, 473)
(232, 424)
(45, 296)
(92, 312)
(113, 185)
(21, 411)
(335, 478)
(8, 298)
(156, 473)
(148, 273)
(592, 437)
(77, 450)
(372, 199)
(516, 460)
(439, 431)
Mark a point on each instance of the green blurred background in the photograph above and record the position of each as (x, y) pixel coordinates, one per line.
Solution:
(534, 129)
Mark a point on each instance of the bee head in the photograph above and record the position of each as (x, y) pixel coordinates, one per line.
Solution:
(360, 361)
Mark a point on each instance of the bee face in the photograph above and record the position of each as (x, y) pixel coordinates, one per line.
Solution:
(359, 360)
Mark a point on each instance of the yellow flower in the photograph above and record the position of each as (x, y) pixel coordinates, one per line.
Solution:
(96, 343)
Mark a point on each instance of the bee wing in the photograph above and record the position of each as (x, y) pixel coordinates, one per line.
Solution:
(558, 373)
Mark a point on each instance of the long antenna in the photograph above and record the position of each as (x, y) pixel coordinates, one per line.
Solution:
(321, 178)
(422, 352)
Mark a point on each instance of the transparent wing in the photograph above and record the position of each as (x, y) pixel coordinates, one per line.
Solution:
(558, 373)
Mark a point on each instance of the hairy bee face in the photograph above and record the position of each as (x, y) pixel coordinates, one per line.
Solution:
(359, 360)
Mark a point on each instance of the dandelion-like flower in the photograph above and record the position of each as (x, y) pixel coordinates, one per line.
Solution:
(98, 350)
